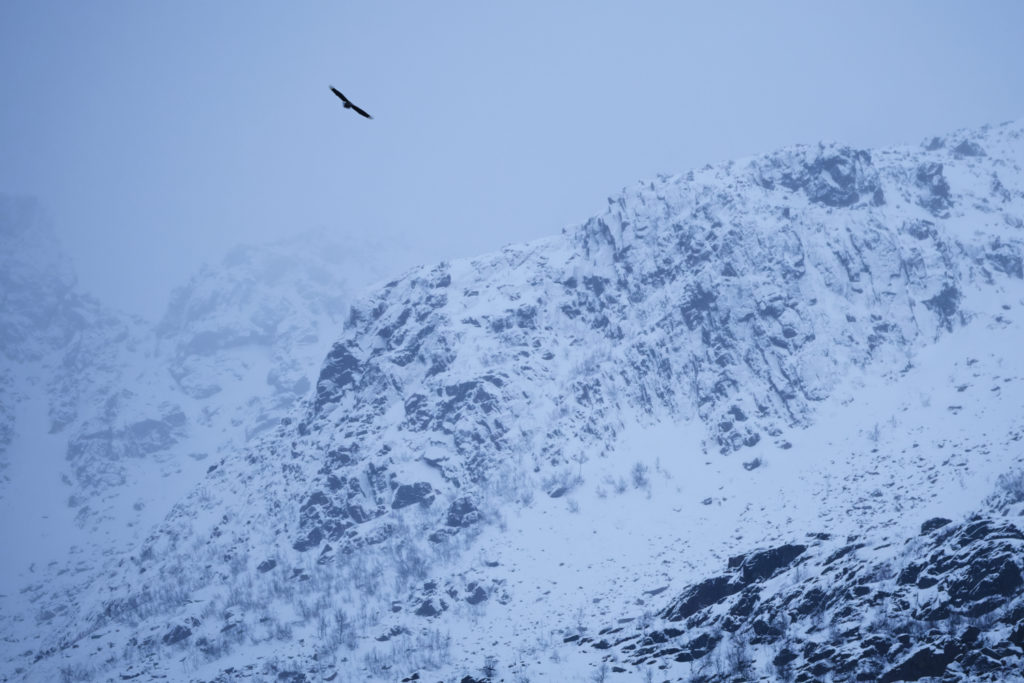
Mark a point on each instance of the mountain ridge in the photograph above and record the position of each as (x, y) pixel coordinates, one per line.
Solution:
(736, 300)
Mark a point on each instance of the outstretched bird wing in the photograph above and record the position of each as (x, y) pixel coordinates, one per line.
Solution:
(359, 111)
(338, 93)
(348, 103)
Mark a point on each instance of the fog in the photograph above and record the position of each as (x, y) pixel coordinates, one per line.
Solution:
(157, 136)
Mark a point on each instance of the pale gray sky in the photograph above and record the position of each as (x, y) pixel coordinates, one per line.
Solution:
(160, 134)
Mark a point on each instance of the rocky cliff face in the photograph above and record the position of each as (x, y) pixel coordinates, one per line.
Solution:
(745, 301)
(737, 293)
(947, 603)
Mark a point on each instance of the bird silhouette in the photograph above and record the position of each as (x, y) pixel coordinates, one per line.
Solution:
(348, 104)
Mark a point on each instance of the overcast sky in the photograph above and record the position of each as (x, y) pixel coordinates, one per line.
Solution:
(160, 134)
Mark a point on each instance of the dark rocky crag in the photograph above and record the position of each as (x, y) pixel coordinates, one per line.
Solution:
(946, 605)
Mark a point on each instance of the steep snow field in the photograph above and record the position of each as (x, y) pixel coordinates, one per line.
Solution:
(884, 455)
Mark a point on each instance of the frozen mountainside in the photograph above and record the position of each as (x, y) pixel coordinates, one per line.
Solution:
(504, 451)
(276, 297)
(228, 359)
(39, 302)
(946, 603)
(740, 295)
(52, 334)
(107, 420)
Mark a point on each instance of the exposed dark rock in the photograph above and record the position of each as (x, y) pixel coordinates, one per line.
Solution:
(818, 609)
(812, 602)
(876, 646)
(763, 565)
(985, 577)
(410, 494)
(700, 596)
(477, 594)
(933, 524)
(97, 449)
(337, 375)
(311, 540)
(752, 464)
(1005, 258)
(925, 662)
(177, 634)
(1017, 636)
(837, 177)
(968, 148)
(842, 552)
(970, 635)
(392, 632)
(430, 608)
(442, 535)
(697, 648)
(920, 229)
(910, 574)
(784, 657)
(744, 606)
(936, 196)
(945, 304)
(462, 513)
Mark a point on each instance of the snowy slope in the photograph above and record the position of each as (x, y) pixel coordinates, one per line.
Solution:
(565, 435)
(102, 425)
(61, 351)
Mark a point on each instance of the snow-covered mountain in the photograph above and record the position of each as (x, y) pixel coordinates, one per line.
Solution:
(507, 461)
(61, 355)
(107, 420)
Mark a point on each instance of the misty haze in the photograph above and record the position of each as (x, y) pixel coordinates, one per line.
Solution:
(331, 351)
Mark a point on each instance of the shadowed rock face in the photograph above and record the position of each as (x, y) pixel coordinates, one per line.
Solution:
(968, 148)
(411, 494)
(745, 570)
(462, 513)
(834, 176)
(844, 612)
(763, 565)
(934, 189)
(96, 452)
(701, 596)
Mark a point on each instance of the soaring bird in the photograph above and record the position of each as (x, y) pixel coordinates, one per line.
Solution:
(349, 105)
